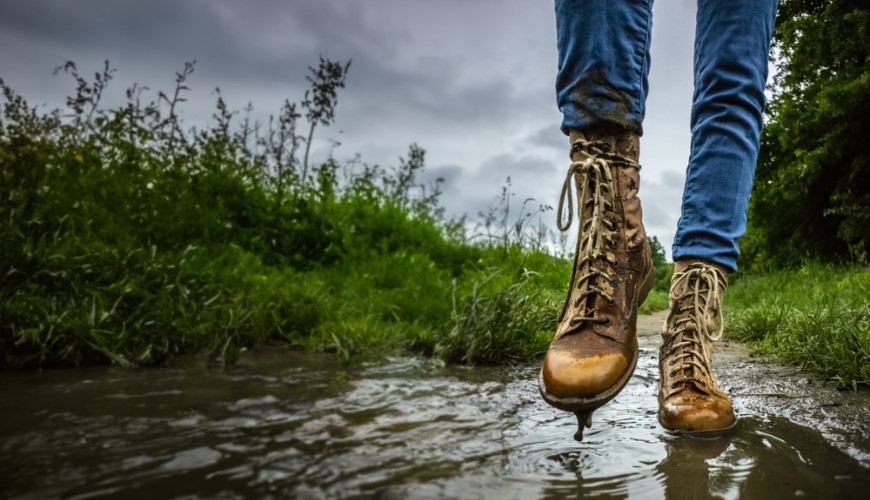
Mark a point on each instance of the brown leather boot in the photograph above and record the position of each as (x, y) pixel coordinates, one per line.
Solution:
(594, 350)
(690, 401)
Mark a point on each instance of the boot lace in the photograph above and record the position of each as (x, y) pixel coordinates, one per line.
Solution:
(593, 179)
(689, 350)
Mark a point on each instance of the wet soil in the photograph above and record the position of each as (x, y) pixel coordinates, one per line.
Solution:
(286, 424)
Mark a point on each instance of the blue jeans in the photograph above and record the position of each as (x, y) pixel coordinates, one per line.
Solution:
(602, 84)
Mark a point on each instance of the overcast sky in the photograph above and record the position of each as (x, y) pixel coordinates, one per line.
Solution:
(471, 81)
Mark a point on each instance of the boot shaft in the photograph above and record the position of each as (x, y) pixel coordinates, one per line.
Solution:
(612, 271)
(627, 213)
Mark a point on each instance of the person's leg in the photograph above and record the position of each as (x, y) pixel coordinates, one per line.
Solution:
(732, 41)
(603, 63)
(601, 90)
(731, 48)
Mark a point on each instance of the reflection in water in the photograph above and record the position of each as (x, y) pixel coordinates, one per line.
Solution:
(296, 425)
(686, 471)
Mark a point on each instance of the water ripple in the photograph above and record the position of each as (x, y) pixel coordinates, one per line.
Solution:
(310, 427)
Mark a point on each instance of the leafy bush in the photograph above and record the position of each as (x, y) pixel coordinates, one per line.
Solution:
(811, 198)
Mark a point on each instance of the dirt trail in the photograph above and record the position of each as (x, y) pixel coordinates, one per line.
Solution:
(765, 387)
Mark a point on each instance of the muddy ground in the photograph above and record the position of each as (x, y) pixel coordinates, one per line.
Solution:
(761, 386)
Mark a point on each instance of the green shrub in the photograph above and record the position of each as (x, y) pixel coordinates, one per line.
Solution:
(817, 316)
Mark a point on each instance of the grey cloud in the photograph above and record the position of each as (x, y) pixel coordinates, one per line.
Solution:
(550, 136)
(470, 193)
(530, 177)
(269, 45)
(449, 174)
(518, 168)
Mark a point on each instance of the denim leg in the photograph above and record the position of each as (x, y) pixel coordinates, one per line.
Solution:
(603, 63)
(732, 41)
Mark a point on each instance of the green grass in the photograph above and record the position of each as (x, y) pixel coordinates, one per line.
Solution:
(657, 300)
(515, 323)
(126, 241)
(817, 317)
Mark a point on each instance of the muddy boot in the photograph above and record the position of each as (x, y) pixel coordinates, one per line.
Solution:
(690, 401)
(594, 350)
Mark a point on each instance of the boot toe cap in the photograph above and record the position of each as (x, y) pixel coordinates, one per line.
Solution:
(693, 413)
(566, 375)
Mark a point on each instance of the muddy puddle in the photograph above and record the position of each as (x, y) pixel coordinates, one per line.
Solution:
(285, 424)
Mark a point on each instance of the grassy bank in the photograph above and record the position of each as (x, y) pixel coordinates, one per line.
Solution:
(127, 240)
(816, 316)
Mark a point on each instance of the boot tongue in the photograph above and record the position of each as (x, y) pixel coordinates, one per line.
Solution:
(690, 352)
(593, 236)
(692, 374)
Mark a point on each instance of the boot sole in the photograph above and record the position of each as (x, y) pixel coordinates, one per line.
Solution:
(712, 433)
(578, 404)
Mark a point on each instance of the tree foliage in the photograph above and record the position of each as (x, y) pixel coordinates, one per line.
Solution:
(811, 199)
